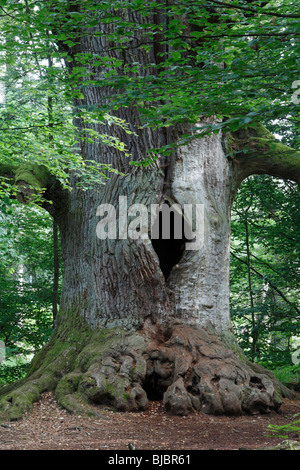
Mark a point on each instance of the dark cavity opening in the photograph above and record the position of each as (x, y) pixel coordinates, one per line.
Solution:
(256, 382)
(169, 235)
(155, 386)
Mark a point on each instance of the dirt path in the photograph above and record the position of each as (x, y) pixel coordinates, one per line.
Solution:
(48, 427)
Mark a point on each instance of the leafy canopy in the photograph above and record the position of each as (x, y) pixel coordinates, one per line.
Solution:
(197, 58)
(234, 60)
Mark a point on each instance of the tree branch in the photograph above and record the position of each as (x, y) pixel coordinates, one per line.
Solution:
(44, 126)
(279, 292)
(254, 10)
(258, 152)
(31, 180)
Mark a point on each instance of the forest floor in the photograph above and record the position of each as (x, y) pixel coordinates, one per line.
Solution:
(47, 427)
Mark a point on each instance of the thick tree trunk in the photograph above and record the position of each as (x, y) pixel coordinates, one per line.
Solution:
(126, 333)
(119, 282)
(147, 319)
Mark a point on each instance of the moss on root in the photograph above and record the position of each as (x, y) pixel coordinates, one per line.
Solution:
(190, 370)
(48, 367)
(15, 403)
(60, 366)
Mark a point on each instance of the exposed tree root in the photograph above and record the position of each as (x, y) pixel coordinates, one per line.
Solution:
(187, 368)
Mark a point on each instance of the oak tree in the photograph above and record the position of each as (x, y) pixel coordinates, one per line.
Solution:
(188, 88)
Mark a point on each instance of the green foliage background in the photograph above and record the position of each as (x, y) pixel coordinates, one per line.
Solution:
(26, 284)
(266, 312)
